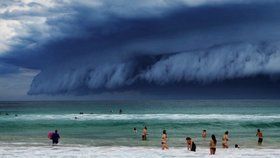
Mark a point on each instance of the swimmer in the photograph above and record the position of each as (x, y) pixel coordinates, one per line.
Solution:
(225, 140)
(190, 144)
(134, 130)
(55, 137)
(164, 144)
(212, 145)
(204, 134)
(144, 133)
(260, 136)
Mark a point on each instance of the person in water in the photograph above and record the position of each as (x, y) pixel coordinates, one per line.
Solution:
(144, 133)
(190, 144)
(134, 130)
(204, 134)
(120, 111)
(212, 145)
(260, 136)
(236, 146)
(225, 140)
(55, 137)
(164, 144)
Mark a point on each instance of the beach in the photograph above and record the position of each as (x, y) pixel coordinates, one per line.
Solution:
(8, 151)
(96, 129)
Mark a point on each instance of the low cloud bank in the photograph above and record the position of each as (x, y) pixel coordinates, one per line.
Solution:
(206, 66)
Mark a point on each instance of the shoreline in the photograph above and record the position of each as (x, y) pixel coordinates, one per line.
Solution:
(63, 144)
(124, 151)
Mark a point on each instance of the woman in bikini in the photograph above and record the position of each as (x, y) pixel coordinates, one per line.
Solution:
(212, 145)
(225, 140)
(164, 140)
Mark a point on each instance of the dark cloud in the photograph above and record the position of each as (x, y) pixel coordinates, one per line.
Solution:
(93, 48)
(7, 69)
(203, 67)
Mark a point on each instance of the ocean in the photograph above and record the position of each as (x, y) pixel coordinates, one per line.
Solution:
(100, 128)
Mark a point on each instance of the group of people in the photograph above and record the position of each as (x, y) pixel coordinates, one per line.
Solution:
(54, 136)
(191, 144)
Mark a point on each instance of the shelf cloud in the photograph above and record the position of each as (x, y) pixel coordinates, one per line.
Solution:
(102, 46)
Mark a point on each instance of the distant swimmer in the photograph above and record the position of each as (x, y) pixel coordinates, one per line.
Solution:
(16, 115)
(81, 113)
(260, 136)
(204, 134)
(212, 145)
(76, 118)
(236, 146)
(190, 144)
(225, 140)
(7, 113)
(144, 133)
(164, 144)
(134, 130)
(55, 137)
(120, 111)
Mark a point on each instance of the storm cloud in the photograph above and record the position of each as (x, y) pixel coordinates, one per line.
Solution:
(203, 67)
(89, 47)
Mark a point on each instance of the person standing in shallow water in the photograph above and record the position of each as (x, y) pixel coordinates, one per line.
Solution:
(190, 144)
(164, 144)
(212, 145)
(225, 140)
(204, 134)
(144, 133)
(260, 136)
(55, 137)
(134, 130)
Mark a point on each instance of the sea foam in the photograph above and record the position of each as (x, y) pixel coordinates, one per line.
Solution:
(128, 152)
(228, 117)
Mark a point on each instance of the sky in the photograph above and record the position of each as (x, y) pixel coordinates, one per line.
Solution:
(139, 49)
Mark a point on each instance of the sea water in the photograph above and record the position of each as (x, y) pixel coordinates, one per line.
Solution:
(101, 129)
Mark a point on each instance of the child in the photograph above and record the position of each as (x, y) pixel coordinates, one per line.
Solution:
(236, 146)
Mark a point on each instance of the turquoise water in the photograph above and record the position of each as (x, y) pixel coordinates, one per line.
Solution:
(101, 125)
